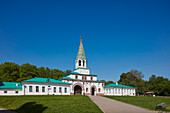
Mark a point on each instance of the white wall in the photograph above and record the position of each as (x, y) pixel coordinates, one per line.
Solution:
(48, 90)
(83, 71)
(80, 77)
(120, 92)
(87, 85)
(11, 92)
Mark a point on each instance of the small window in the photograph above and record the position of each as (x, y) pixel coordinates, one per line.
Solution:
(5, 91)
(65, 90)
(60, 90)
(43, 89)
(79, 62)
(54, 89)
(76, 77)
(48, 86)
(91, 78)
(16, 92)
(99, 90)
(30, 88)
(87, 90)
(37, 88)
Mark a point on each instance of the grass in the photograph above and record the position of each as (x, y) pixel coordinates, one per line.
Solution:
(143, 101)
(49, 104)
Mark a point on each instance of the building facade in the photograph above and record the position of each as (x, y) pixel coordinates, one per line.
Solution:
(78, 82)
(119, 90)
(82, 82)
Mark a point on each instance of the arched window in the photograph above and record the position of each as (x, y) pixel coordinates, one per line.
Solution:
(54, 89)
(91, 78)
(79, 62)
(65, 90)
(43, 89)
(83, 62)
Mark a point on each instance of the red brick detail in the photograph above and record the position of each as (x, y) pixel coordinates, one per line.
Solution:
(78, 85)
(71, 93)
(99, 93)
(93, 87)
(87, 93)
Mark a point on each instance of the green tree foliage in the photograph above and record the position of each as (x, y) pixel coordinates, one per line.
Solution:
(108, 82)
(11, 72)
(159, 85)
(133, 78)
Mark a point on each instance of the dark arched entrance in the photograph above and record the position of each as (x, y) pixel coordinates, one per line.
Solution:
(92, 91)
(77, 90)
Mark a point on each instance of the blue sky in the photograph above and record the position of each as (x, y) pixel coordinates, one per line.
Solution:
(117, 35)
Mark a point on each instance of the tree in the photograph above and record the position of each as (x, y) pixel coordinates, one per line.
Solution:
(133, 78)
(160, 85)
(27, 71)
(109, 82)
(67, 72)
(9, 72)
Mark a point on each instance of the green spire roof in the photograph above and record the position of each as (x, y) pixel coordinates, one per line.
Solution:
(81, 53)
(118, 85)
(45, 80)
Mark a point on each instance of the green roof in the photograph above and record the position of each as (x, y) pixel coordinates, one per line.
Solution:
(45, 80)
(10, 85)
(118, 85)
(81, 68)
(80, 79)
(81, 74)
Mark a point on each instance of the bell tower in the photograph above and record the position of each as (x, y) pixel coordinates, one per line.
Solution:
(81, 61)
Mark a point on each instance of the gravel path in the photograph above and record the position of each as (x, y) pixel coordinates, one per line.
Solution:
(112, 106)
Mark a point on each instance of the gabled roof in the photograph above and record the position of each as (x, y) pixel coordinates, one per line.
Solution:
(10, 85)
(118, 85)
(44, 80)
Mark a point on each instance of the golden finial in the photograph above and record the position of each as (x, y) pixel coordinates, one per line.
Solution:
(81, 37)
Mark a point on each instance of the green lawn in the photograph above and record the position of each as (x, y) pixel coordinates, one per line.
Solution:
(49, 104)
(145, 102)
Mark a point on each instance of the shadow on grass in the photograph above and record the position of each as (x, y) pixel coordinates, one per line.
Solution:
(31, 107)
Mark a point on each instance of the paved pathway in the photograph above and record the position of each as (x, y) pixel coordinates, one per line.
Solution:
(112, 106)
(6, 111)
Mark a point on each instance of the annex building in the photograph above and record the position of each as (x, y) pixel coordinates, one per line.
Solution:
(78, 82)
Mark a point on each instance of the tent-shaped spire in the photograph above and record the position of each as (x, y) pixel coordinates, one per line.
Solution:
(81, 53)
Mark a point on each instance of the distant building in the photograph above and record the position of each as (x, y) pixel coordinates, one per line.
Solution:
(119, 90)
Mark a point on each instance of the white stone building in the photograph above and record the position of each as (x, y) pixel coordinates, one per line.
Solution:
(82, 82)
(78, 82)
(119, 90)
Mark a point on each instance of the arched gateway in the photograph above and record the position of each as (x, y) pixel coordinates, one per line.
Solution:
(77, 90)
